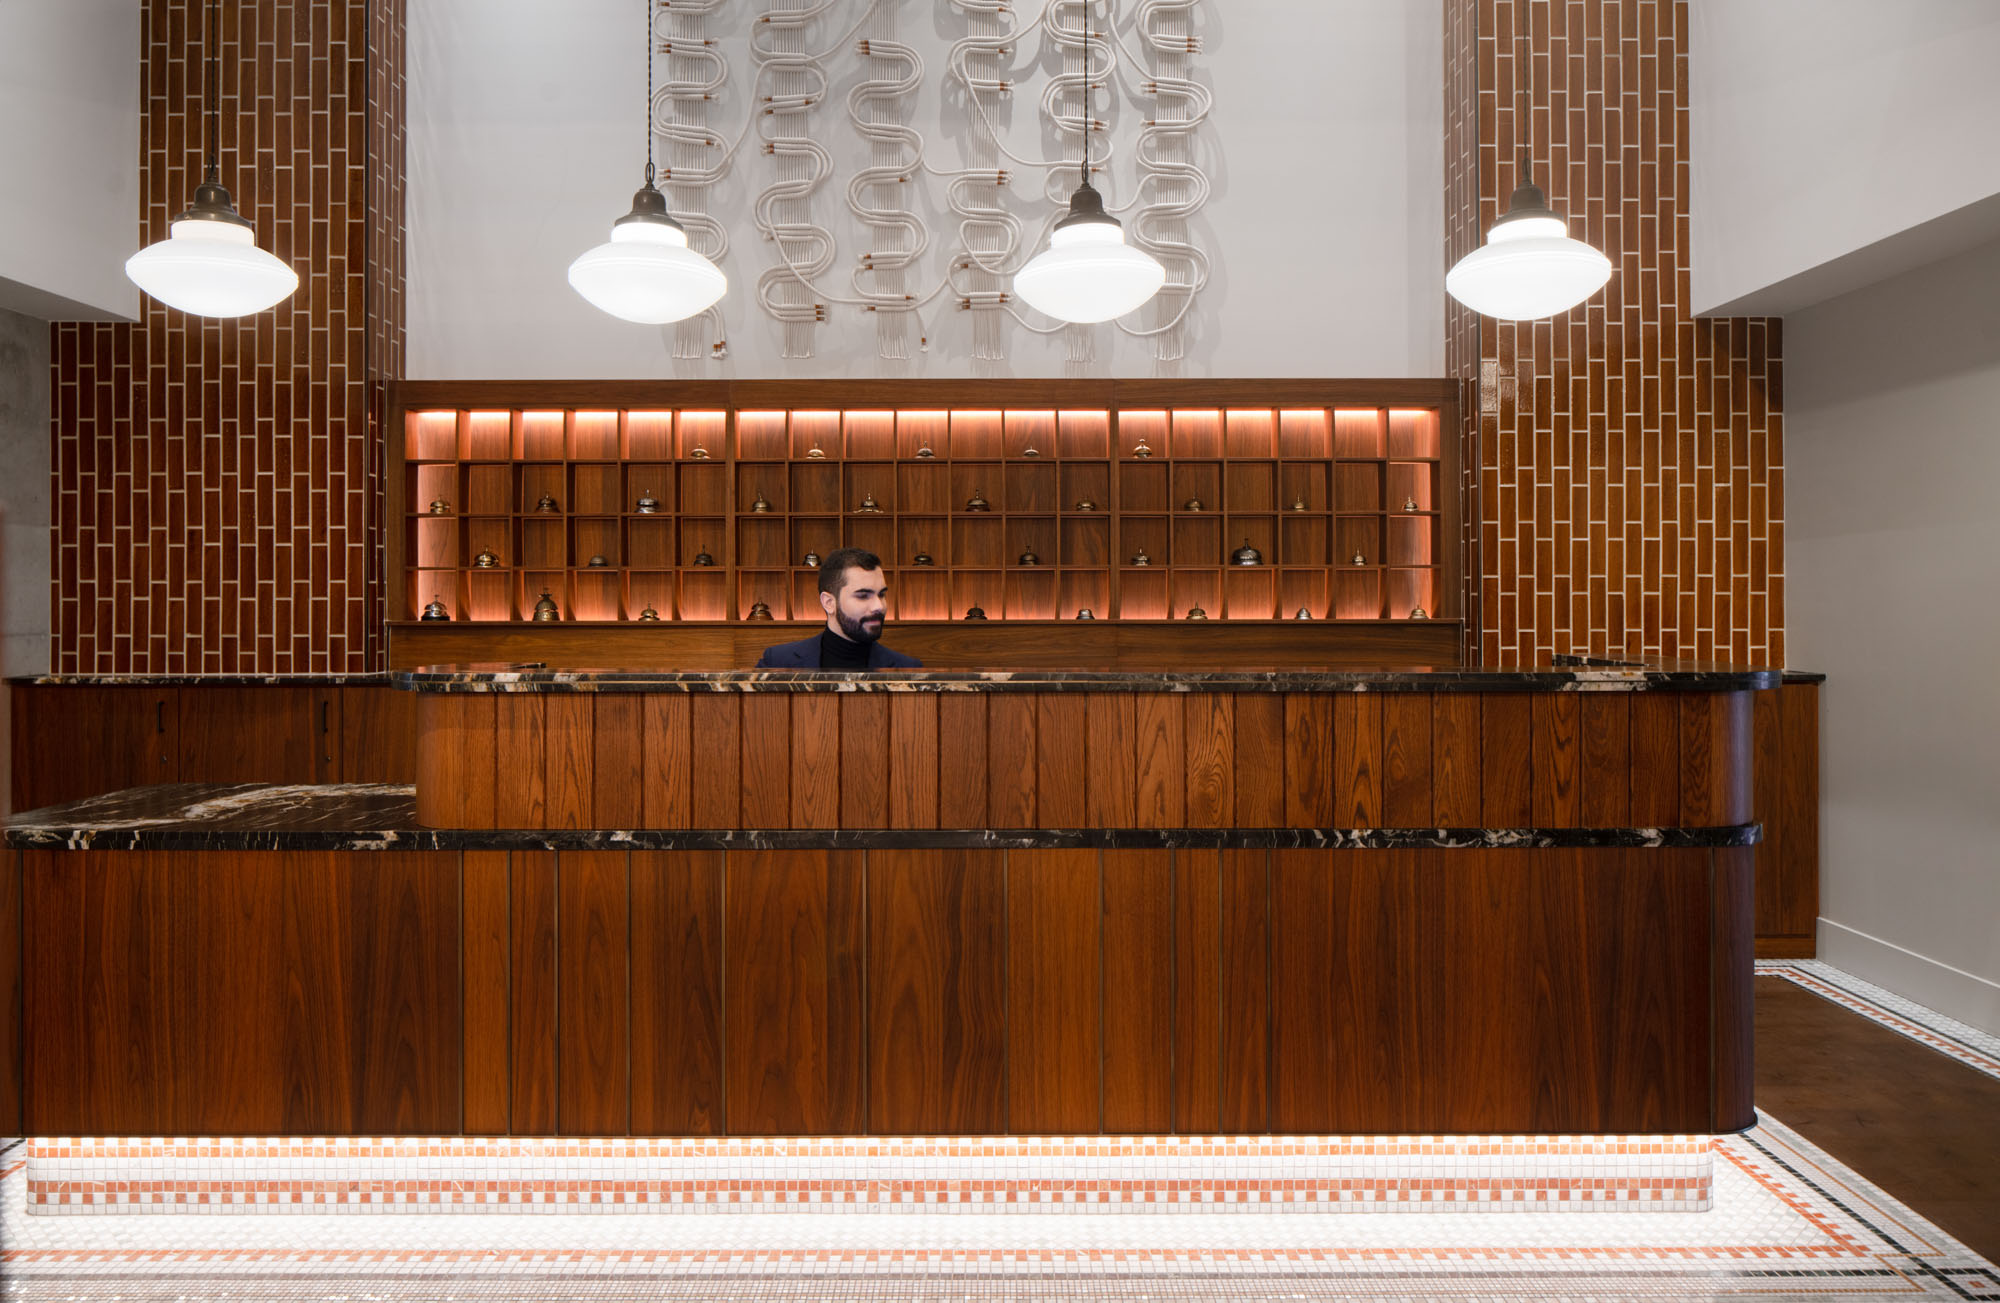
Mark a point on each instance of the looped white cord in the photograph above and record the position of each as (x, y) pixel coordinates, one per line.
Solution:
(696, 73)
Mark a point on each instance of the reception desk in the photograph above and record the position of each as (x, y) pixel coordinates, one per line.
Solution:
(1452, 901)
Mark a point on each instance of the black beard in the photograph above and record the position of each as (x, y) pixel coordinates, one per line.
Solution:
(855, 631)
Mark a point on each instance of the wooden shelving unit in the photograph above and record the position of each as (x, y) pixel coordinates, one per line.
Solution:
(1351, 504)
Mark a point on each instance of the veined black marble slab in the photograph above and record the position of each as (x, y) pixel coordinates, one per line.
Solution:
(370, 817)
(1664, 676)
(200, 680)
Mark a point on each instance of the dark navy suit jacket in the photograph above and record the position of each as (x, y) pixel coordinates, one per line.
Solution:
(804, 655)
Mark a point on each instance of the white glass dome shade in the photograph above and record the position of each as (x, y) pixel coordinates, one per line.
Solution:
(1088, 273)
(1528, 268)
(209, 265)
(647, 273)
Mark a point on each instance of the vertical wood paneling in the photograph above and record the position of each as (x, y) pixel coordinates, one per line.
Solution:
(715, 722)
(1733, 965)
(261, 733)
(792, 1018)
(486, 947)
(1197, 1047)
(1558, 760)
(593, 983)
(1010, 763)
(1357, 760)
(1061, 780)
(1260, 760)
(455, 741)
(1406, 760)
(677, 993)
(1656, 760)
(520, 761)
(401, 986)
(1455, 760)
(1246, 994)
(1053, 992)
(1210, 721)
(226, 942)
(1716, 754)
(1606, 779)
(937, 1052)
(863, 785)
(321, 1038)
(1506, 787)
(913, 760)
(11, 1065)
(1308, 760)
(531, 1009)
(1482, 909)
(1138, 964)
(669, 772)
(816, 745)
(618, 762)
(572, 761)
(1797, 812)
(1113, 759)
(1306, 966)
(767, 760)
(1160, 782)
(1378, 1081)
(962, 747)
(378, 734)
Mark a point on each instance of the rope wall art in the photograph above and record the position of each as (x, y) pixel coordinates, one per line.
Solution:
(903, 276)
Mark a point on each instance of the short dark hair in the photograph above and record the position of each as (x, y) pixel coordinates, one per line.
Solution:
(833, 570)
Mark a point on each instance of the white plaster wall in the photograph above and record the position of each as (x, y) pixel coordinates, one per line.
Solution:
(24, 494)
(1824, 130)
(69, 207)
(1892, 434)
(1326, 222)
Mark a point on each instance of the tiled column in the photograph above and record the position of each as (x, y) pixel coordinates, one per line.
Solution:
(1626, 458)
(217, 494)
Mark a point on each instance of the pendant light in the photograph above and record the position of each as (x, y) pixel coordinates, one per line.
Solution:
(647, 273)
(1528, 268)
(1088, 273)
(209, 265)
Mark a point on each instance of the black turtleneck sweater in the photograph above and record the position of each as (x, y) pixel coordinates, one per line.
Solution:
(837, 653)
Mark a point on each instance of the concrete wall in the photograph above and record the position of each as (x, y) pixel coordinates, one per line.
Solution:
(1893, 534)
(1837, 142)
(1325, 148)
(24, 494)
(69, 209)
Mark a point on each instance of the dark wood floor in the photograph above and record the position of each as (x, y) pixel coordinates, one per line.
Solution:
(1923, 1126)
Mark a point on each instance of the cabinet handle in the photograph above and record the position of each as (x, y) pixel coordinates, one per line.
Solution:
(159, 717)
(323, 716)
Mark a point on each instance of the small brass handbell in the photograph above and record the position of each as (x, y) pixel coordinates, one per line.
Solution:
(546, 611)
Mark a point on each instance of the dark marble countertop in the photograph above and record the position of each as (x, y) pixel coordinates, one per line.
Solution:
(359, 817)
(201, 680)
(1627, 676)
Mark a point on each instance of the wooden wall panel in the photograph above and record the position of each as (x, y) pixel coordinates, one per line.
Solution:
(1138, 960)
(914, 762)
(1159, 798)
(1061, 778)
(1307, 961)
(455, 739)
(531, 1008)
(261, 734)
(618, 761)
(669, 767)
(1010, 762)
(1210, 729)
(322, 1036)
(1406, 760)
(227, 921)
(1605, 722)
(1308, 760)
(378, 734)
(1357, 760)
(1483, 911)
(1377, 1036)
(1730, 979)
(1557, 798)
(792, 1023)
(593, 981)
(1197, 1048)
(864, 769)
(327, 731)
(521, 760)
(399, 918)
(1786, 802)
(937, 1014)
(818, 780)
(1113, 740)
(767, 761)
(1456, 760)
(962, 761)
(1054, 999)
(1260, 760)
(1506, 773)
(73, 742)
(1245, 998)
(487, 943)
(570, 781)
(677, 993)
(1656, 760)
(1716, 758)
(716, 726)
(11, 1065)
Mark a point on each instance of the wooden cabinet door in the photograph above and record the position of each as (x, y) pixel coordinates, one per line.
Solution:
(72, 742)
(378, 734)
(257, 734)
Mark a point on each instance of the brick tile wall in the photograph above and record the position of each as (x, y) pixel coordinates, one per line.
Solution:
(1630, 458)
(218, 485)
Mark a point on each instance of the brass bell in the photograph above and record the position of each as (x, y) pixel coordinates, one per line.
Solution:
(759, 611)
(434, 610)
(1298, 504)
(485, 560)
(647, 504)
(439, 507)
(1196, 613)
(1192, 504)
(1246, 556)
(1085, 504)
(1028, 558)
(1140, 558)
(598, 560)
(1085, 613)
(1409, 504)
(816, 453)
(975, 613)
(812, 559)
(869, 504)
(1031, 452)
(649, 616)
(1359, 559)
(977, 502)
(922, 559)
(925, 452)
(702, 558)
(1419, 613)
(760, 507)
(1302, 614)
(547, 504)
(1143, 451)
(546, 611)
(699, 454)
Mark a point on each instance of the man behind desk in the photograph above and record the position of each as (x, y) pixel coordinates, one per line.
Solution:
(851, 588)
